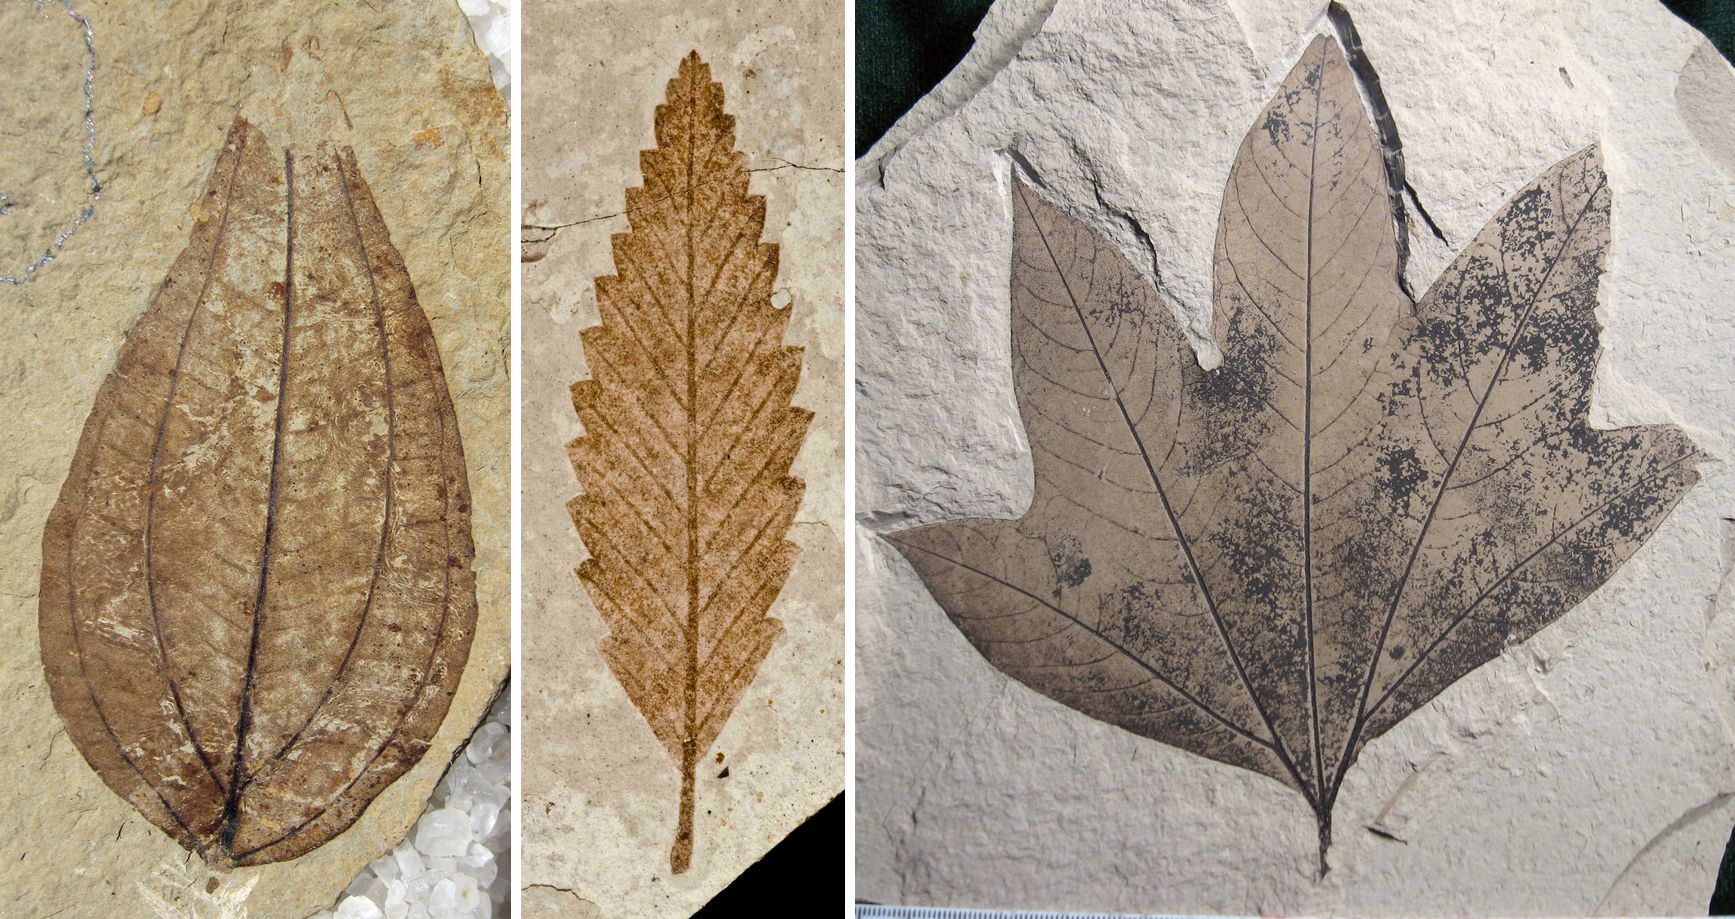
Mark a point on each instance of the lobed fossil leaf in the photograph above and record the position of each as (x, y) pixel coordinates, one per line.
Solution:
(257, 595)
(1274, 562)
(689, 436)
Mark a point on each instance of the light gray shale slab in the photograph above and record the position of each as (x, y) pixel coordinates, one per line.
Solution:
(1586, 771)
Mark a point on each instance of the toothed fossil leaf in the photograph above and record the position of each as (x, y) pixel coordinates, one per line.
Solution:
(257, 595)
(689, 436)
(1271, 563)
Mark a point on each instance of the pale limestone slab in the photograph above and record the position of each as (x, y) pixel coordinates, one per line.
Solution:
(599, 791)
(405, 86)
(1585, 771)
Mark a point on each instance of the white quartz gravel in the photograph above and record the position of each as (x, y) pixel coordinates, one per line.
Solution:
(455, 862)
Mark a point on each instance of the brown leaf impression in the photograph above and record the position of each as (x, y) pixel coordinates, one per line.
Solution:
(257, 595)
(689, 436)
(1274, 562)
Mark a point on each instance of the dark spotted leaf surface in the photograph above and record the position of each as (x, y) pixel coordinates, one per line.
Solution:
(257, 595)
(1274, 562)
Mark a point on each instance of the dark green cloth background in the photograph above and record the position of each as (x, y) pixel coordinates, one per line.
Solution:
(904, 47)
(1715, 18)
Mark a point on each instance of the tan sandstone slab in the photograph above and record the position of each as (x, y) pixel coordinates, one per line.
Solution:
(404, 85)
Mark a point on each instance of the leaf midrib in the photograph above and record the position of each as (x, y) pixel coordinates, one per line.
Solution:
(435, 646)
(1277, 746)
(1307, 446)
(232, 799)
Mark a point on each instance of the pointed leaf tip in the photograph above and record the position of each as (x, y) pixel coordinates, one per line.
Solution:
(691, 433)
(1271, 564)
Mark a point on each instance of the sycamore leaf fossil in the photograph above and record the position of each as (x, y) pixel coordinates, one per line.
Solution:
(257, 594)
(1274, 562)
(689, 436)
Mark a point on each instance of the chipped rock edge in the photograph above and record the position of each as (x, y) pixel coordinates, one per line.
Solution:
(1560, 768)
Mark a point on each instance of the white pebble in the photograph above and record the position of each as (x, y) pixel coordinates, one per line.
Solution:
(396, 891)
(496, 772)
(443, 900)
(482, 817)
(386, 867)
(445, 832)
(469, 895)
(417, 889)
(482, 743)
(479, 864)
(502, 827)
(408, 859)
(359, 908)
(439, 868)
(495, 796)
(498, 39)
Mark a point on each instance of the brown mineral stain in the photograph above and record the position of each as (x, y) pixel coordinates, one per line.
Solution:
(153, 102)
(428, 138)
(478, 102)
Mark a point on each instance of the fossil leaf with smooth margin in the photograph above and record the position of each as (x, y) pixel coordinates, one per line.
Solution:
(257, 594)
(689, 436)
(1274, 562)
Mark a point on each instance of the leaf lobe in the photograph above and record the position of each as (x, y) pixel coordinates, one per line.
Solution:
(1367, 500)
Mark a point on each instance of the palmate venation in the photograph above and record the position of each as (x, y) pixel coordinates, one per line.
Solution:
(1274, 562)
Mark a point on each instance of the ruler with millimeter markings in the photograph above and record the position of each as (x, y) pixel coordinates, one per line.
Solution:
(867, 911)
